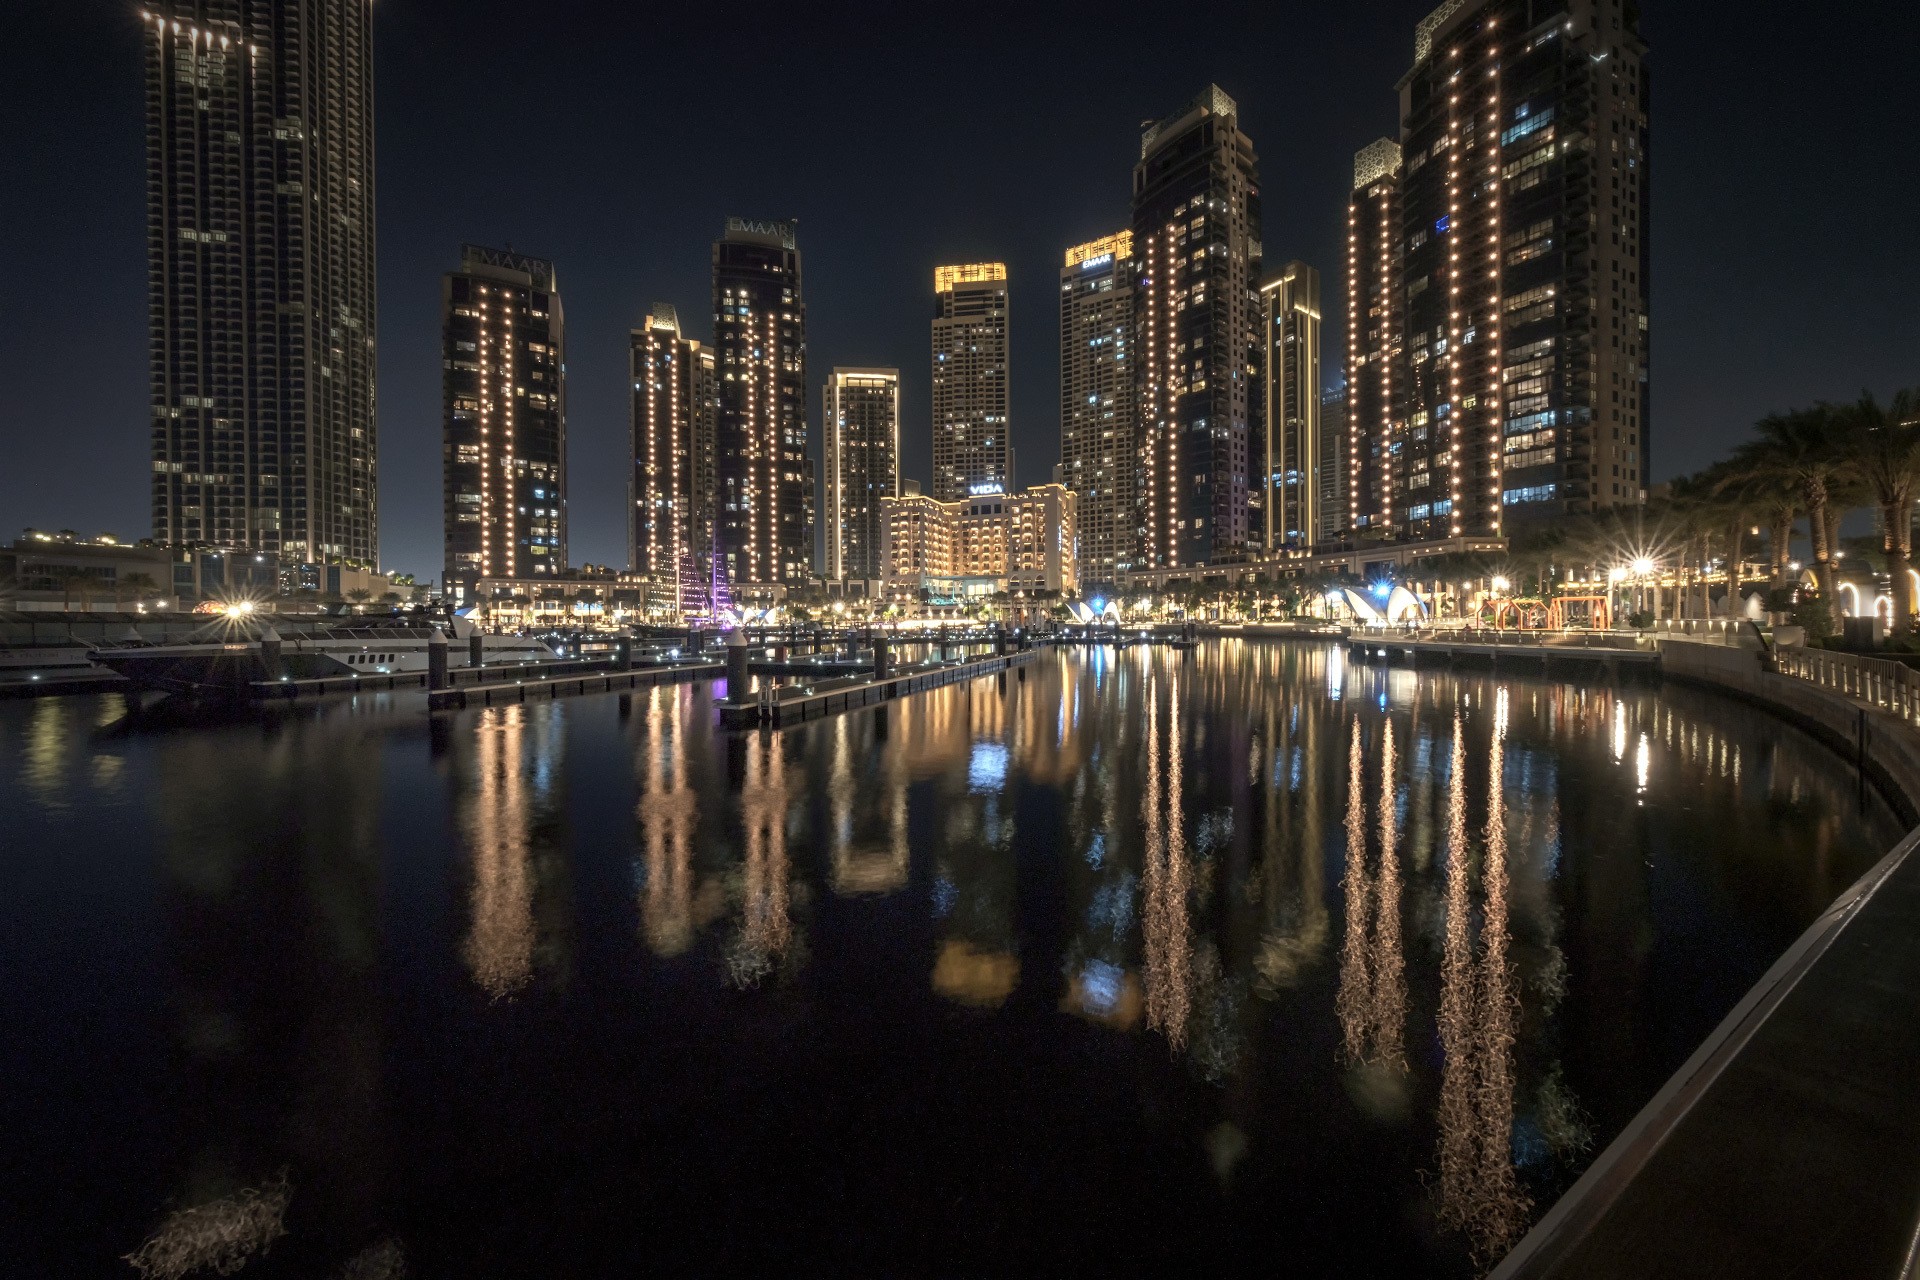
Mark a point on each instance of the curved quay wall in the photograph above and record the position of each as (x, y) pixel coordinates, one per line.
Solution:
(1789, 1143)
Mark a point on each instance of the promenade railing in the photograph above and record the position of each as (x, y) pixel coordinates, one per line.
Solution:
(1878, 682)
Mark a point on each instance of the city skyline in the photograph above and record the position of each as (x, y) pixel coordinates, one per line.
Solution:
(970, 232)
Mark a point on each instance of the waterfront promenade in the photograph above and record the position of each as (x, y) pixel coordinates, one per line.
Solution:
(1789, 1143)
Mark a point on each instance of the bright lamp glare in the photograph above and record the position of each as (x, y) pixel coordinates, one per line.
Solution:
(1500, 584)
(1643, 565)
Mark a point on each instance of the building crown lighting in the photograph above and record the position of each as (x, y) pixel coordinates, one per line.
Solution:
(1117, 245)
(945, 278)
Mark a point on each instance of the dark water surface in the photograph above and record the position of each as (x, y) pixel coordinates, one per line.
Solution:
(1244, 960)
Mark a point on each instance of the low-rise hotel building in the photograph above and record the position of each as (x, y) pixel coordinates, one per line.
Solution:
(985, 543)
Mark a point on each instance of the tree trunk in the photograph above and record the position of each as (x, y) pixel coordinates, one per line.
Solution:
(1823, 530)
(1897, 538)
(1736, 547)
(1781, 536)
(1706, 568)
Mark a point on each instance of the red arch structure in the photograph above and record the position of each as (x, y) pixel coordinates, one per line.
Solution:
(1596, 615)
(1515, 613)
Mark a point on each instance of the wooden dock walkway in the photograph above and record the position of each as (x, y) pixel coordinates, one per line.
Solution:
(783, 705)
(602, 679)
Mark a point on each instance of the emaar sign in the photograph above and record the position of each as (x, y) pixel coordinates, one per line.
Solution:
(780, 233)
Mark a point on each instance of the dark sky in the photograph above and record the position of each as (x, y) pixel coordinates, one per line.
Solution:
(614, 138)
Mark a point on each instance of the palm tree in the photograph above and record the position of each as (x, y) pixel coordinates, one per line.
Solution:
(359, 596)
(1883, 445)
(1751, 489)
(75, 581)
(1808, 448)
(141, 586)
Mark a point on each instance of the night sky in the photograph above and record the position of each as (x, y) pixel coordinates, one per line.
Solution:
(615, 138)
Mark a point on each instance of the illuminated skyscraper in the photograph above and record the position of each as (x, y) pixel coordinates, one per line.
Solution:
(1196, 232)
(764, 478)
(260, 276)
(505, 425)
(1522, 265)
(1291, 462)
(1335, 472)
(862, 461)
(1375, 375)
(1099, 453)
(670, 516)
(972, 450)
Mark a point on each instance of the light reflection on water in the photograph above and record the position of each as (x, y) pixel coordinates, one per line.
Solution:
(1242, 929)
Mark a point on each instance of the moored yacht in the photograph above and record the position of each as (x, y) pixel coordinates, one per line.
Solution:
(232, 654)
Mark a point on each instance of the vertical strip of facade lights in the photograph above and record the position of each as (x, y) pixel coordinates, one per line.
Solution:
(1150, 408)
(485, 358)
(749, 374)
(1454, 296)
(650, 509)
(516, 563)
(772, 448)
(1170, 385)
(1383, 474)
(1353, 362)
(674, 436)
(1494, 381)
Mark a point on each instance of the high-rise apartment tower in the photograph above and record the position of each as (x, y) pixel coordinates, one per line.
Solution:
(1291, 462)
(1335, 473)
(670, 512)
(1376, 319)
(862, 462)
(1196, 233)
(763, 474)
(504, 429)
(1523, 230)
(260, 276)
(1099, 450)
(972, 450)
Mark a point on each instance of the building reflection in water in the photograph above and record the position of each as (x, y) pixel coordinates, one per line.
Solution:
(271, 892)
(61, 740)
(511, 818)
(1372, 1000)
(867, 812)
(958, 738)
(1478, 1190)
(1298, 750)
(1182, 822)
(765, 934)
(668, 816)
(1167, 877)
(1100, 969)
